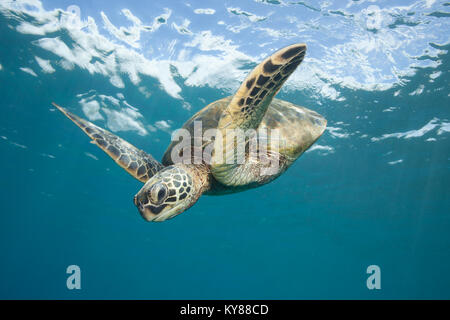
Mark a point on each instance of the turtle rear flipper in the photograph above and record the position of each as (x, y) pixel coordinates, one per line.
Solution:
(136, 162)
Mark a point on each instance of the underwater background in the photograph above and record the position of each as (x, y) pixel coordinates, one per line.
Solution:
(373, 190)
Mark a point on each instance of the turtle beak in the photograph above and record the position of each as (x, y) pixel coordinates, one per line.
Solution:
(140, 202)
(156, 213)
(147, 214)
(148, 211)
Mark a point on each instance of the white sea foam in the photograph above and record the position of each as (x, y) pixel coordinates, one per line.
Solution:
(418, 91)
(435, 74)
(204, 11)
(252, 17)
(445, 127)
(395, 162)
(45, 65)
(28, 28)
(117, 81)
(91, 109)
(29, 71)
(372, 48)
(120, 115)
(21, 146)
(390, 109)
(47, 155)
(431, 125)
(90, 155)
(151, 128)
(132, 35)
(163, 125)
(183, 28)
(123, 121)
(110, 99)
(322, 149)
(337, 132)
(354, 62)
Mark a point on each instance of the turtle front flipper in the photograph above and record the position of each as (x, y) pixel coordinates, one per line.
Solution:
(136, 162)
(250, 102)
(247, 109)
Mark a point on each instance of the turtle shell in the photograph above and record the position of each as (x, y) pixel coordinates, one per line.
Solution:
(298, 127)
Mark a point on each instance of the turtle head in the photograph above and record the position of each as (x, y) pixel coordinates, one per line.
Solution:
(165, 195)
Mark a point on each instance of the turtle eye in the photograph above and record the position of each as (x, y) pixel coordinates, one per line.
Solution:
(158, 193)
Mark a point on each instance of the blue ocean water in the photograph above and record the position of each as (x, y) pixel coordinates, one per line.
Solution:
(373, 190)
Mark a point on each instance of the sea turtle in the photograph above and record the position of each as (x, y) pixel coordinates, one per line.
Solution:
(171, 187)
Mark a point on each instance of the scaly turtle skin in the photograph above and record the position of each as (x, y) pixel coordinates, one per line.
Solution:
(172, 187)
